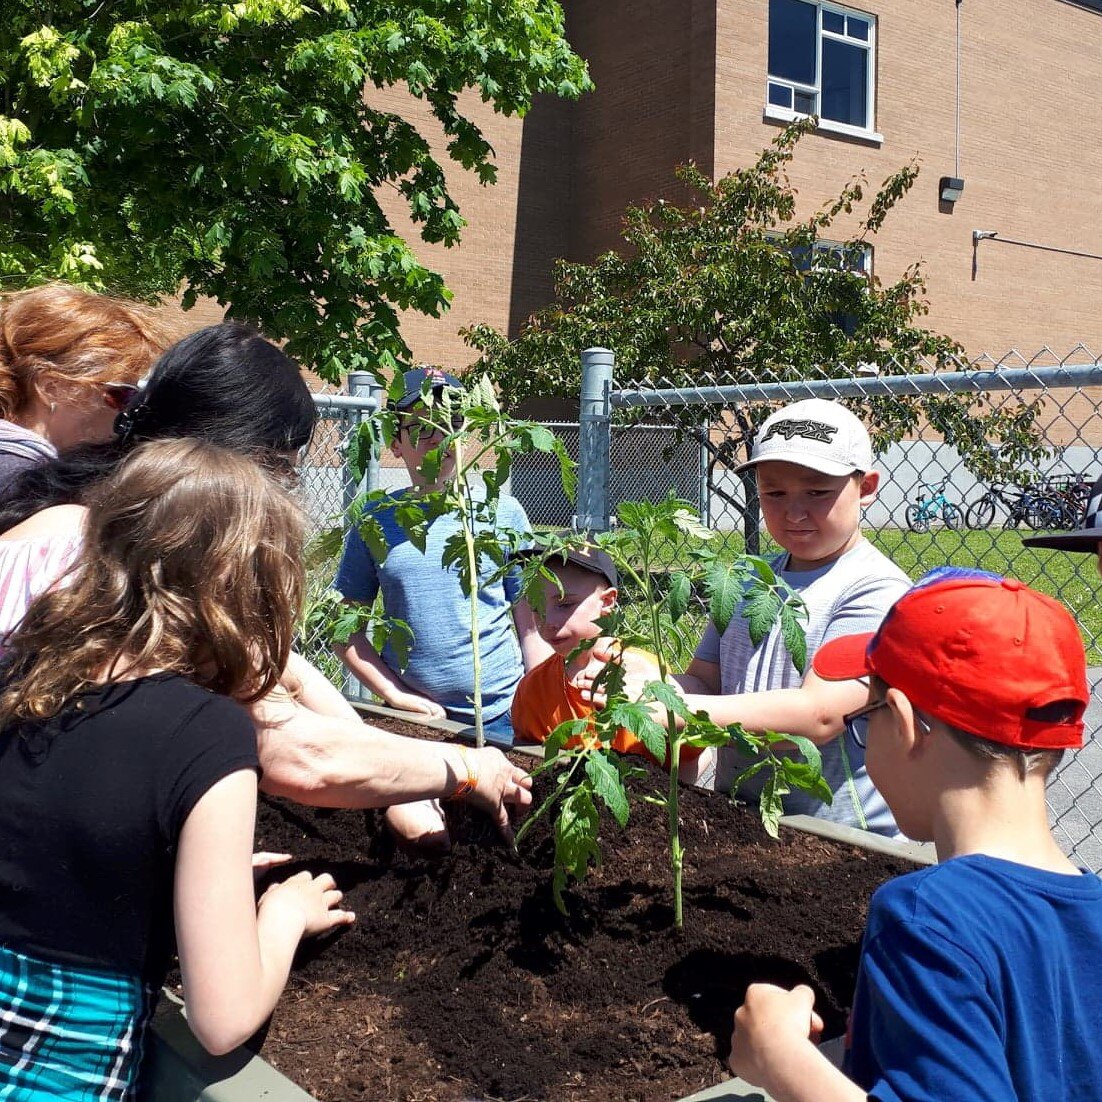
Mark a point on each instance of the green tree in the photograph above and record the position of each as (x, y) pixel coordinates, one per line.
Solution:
(731, 287)
(228, 146)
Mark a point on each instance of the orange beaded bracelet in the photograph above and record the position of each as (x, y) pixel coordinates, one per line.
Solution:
(467, 786)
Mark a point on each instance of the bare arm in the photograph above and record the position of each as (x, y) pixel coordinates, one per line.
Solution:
(235, 958)
(814, 710)
(368, 665)
(534, 649)
(325, 761)
(313, 690)
(772, 1048)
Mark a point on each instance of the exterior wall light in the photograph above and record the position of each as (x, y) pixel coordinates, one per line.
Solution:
(950, 188)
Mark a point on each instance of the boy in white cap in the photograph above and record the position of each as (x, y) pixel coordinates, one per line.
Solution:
(814, 466)
(979, 976)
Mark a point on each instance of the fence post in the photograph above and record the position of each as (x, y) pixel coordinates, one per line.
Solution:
(594, 440)
(363, 384)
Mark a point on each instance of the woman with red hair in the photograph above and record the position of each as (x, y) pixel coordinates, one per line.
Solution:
(69, 362)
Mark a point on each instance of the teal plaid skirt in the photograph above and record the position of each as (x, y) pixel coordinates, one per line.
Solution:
(69, 1033)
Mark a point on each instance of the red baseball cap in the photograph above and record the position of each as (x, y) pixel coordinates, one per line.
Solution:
(985, 654)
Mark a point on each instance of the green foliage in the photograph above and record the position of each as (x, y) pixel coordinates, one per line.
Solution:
(463, 475)
(732, 288)
(229, 146)
(590, 772)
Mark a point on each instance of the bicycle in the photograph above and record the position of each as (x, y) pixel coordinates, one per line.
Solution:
(1071, 496)
(1035, 508)
(933, 504)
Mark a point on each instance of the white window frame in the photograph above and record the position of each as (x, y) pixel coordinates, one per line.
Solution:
(774, 113)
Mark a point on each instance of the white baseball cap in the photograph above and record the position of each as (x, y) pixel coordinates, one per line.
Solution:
(814, 433)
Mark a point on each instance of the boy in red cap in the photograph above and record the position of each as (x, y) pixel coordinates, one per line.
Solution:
(979, 976)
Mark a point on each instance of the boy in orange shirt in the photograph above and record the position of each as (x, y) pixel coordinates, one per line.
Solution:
(549, 693)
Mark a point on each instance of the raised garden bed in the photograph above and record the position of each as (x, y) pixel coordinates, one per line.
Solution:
(461, 980)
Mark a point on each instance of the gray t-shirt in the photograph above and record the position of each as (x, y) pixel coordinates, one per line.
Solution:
(848, 596)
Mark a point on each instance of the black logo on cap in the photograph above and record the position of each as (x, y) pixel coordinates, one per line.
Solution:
(818, 431)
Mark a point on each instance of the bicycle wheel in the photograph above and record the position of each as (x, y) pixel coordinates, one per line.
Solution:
(1043, 514)
(917, 520)
(980, 513)
(952, 516)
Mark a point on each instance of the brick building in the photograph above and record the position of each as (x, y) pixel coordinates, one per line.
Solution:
(712, 81)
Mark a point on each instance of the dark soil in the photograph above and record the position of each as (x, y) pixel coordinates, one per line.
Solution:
(461, 980)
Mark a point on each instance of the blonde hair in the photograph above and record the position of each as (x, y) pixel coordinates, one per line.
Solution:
(66, 332)
(192, 563)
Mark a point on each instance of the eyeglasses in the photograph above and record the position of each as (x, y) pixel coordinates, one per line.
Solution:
(119, 396)
(427, 431)
(859, 732)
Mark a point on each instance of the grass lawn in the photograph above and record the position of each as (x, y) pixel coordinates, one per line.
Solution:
(1071, 578)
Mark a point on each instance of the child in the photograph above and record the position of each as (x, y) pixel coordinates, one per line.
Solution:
(979, 976)
(418, 589)
(129, 772)
(814, 467)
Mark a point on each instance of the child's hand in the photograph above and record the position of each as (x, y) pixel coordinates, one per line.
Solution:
(307, 898)
(413, 702)
(420, 825)
(768, 1026)
(263, 861)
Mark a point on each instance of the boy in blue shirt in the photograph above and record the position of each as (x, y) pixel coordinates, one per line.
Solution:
(417, 588)
(979, 977)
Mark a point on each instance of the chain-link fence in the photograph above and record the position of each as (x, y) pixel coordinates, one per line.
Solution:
(971, 460)
(989, 452)
(326, 488)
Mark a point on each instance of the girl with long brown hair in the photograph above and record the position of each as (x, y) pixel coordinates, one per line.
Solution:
(129, 770)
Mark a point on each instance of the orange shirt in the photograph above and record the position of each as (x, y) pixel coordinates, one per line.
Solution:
(545, 698)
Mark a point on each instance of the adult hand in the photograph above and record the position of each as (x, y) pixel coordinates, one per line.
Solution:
(311, 899)
(414, 702)
(500, 787)
(768, 1026)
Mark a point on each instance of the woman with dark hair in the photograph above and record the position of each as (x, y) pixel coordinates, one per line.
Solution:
(225, 384)
(229, 386)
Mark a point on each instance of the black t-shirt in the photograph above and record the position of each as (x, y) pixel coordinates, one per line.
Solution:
(91, 807)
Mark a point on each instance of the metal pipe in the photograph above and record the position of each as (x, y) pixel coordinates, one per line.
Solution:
(1028, 378)
(594, 440)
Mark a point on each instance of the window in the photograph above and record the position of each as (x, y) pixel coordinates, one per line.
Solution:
(821, 63)
(830, 255)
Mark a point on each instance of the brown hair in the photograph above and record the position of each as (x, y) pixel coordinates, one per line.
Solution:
(69, 333)
(192, 562)
(1024, 762)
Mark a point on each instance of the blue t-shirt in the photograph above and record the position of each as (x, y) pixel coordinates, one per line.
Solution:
(980, 980)
(418, 589)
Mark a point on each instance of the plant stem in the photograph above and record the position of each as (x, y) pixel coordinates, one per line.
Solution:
(673, 794)
(466, 520)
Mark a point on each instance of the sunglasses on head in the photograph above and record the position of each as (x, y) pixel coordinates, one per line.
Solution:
(119, 396)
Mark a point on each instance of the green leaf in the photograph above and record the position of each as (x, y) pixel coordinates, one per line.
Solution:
(792, 632)
(761, 608)
(637, 719)
(677, 600)
(723, 582)
(608, 785)
(770, 803)
(576, 831)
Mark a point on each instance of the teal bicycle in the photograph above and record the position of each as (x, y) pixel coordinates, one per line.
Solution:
(932, 505)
